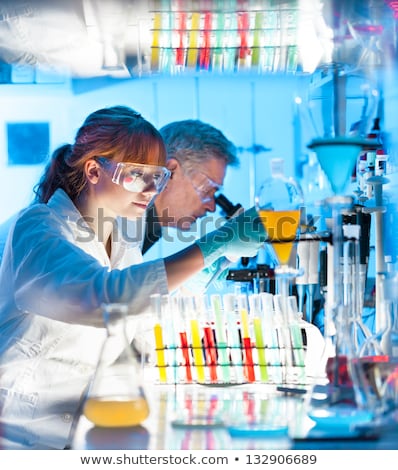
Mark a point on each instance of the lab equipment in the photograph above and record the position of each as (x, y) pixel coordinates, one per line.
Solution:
(159, 341)
(232, 340)
(241, 235)
(278, 203)
(308, 262)
(337, 154)
(116, 396)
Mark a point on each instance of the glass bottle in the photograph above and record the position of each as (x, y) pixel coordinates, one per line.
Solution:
(116, 397)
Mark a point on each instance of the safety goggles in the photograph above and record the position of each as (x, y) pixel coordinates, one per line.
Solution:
(136, 177)
(204, 186)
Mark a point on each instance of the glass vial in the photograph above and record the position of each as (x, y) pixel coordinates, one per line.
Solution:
(116, 397)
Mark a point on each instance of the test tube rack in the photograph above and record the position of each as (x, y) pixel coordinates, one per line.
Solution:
(224, 36)
(229, 347)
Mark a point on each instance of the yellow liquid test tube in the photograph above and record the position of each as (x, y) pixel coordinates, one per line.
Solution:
(161, 363)
(260, 349)
(197, 350)
(245, 323)
(157, 25)
(192, 56)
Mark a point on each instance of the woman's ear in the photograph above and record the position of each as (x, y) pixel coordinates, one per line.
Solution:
(92, 171)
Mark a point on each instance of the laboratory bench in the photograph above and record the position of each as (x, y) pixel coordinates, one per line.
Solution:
(235, 417)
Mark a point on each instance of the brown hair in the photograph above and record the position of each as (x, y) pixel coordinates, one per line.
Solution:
(118, 133)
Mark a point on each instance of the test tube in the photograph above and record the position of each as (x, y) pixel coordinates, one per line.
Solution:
(221, 339)
(184, 344)
(233, 337)
(181, 32)
(243, 30)
(197, 349)
(258, 26)
(271, 335)
(256, 313)
(210, 346)
(246, 340)
(217, 60)
(193, 41)
(283, 336)
(205, 50)
(158, 332)
(230, 50)
(157, 25)
(170, 338)
(297, 338)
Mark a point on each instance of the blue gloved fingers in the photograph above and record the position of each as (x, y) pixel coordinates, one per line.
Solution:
(241, 236)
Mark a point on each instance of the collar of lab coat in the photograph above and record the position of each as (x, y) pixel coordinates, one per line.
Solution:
(126, 243)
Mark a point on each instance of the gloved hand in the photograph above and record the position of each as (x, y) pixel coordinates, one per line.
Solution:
(198, 283)
(240, 236)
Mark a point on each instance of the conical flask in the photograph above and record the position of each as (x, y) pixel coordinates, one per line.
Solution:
(116, 396)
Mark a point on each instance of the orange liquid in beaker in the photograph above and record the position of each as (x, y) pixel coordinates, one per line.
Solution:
(281, 227)
(115, 411)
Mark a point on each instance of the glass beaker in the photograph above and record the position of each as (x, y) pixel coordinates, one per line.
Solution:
(116, 397)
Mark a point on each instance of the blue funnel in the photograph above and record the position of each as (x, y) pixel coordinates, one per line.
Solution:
(337, 157)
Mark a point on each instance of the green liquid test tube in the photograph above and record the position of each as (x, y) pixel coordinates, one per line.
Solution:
(258, 335)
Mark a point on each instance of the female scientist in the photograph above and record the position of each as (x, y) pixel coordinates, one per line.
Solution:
(72, 252)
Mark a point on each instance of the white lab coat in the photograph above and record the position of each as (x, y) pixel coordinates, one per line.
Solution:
(53, 279)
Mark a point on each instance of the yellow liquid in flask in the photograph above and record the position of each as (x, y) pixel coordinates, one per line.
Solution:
(112, 412)
(281, 227)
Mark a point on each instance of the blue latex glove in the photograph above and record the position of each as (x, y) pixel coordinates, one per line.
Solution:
(241, 236)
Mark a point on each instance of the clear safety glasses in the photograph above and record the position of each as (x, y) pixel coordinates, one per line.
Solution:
(204, 186)
(136, 177)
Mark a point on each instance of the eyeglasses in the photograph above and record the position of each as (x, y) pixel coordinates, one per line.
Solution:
(204, 186)
(136, 177)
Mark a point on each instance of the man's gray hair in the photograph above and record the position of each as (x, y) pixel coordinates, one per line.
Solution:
(192, 142)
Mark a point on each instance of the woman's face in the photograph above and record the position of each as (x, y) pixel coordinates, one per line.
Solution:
(115, 200)
(126, 189)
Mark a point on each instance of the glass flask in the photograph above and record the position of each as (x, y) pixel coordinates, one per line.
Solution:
(279, 202)
(116, 396)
